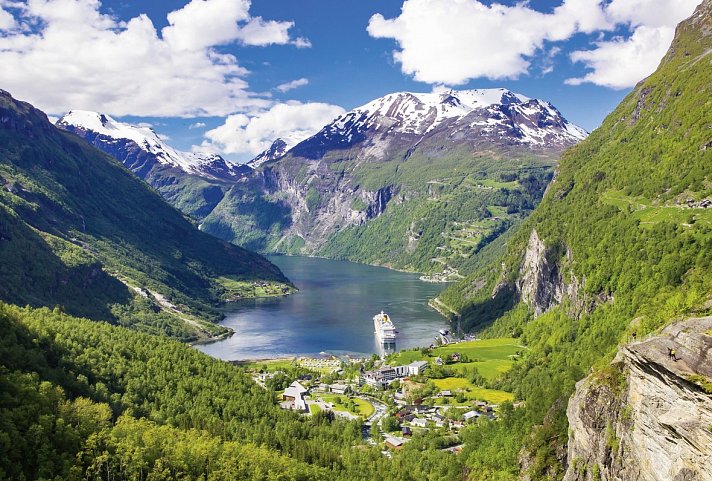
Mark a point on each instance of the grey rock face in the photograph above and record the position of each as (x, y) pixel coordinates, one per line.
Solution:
(651, 420)
(541, 283)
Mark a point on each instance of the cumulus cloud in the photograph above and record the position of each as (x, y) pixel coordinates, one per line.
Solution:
(477, 40)
(620, 63)
(287, 86)
(653, 23)
(496, 41)
(196, 125)
(252, 134)
(7, 21)
(68, 54)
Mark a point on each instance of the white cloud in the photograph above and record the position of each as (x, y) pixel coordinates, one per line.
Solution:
(206, 23)
(301, 42)
(7, 21)
(196, 125)
(287, 86)
(251, 134)
(652, 13)
(453, 41)
(67, 54)
(622, 62)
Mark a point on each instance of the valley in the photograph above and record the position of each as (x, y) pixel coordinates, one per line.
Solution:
(169, 313)
(416, 182)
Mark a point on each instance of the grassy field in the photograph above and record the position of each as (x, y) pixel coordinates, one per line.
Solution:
(649, 214)
(363, 407)
(472, 392)
(271, 365)
(491, 357)
(240, 289)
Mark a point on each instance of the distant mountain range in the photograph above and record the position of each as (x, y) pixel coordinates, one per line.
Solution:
(321, 195)
(496, 116)
(78, 230)
(141, 149)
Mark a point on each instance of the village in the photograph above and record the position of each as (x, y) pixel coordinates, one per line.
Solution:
(433, 391)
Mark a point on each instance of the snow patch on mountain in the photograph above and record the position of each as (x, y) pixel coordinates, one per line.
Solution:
(278, 148)
(113, 131)
(532, 121)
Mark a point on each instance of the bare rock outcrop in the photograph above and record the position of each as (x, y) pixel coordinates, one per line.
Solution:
(650, 417)
(541, 283)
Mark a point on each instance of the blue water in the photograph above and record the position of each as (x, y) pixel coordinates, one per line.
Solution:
(332, 312)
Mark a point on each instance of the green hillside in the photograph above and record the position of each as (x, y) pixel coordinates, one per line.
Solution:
(86, 400)
(78, 230)
(624, 222)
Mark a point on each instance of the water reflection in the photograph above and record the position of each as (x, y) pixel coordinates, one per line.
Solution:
(333, 312)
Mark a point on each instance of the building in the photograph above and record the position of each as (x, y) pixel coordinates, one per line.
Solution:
(384, 376)
(338, 388)
(393, 442)
(420, 422)
(445, 393)
(417, 367)
(470, 415)
(295, 393)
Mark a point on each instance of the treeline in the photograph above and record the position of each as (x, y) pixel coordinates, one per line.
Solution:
(635, 276)
(85, 400)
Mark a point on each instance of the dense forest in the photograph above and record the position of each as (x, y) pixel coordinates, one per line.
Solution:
(79, 230)
(622, 221)
(86, 400)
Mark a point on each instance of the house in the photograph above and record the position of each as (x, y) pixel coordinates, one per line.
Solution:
(470, 415)
(381, 377)
(405, 431)
(420, 422)
(295, 393)
(338, 388)
(445, 393)
(439, 361)
(393, 442)
(417, 367)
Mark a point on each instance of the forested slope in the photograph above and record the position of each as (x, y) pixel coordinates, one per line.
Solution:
(86, 400)
(620, 246)
(78, 230)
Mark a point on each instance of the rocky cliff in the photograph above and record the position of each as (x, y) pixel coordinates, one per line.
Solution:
(650, 417)
(546, 279)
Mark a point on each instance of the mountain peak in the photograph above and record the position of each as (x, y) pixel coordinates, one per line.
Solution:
(478, 115)
(278, 148)
(122, 140)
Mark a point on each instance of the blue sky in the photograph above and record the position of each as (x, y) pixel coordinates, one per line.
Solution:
(171, 71)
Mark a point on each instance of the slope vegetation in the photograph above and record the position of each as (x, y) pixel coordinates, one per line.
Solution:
(79, 230)
(620, 246)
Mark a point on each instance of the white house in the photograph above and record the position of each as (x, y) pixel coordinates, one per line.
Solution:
(420, 422)
(296, 392)
(417, 367)
(470, 415)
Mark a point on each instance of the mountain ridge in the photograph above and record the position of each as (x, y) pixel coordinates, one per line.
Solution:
(81, 231)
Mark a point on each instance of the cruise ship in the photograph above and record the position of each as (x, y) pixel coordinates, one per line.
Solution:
(385, 330)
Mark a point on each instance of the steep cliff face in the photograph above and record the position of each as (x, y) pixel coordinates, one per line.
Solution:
(543, 283)
(651, 420)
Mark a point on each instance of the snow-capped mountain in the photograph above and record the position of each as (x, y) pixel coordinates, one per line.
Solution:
(495, 115)
(278, 148)
(141, 148)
